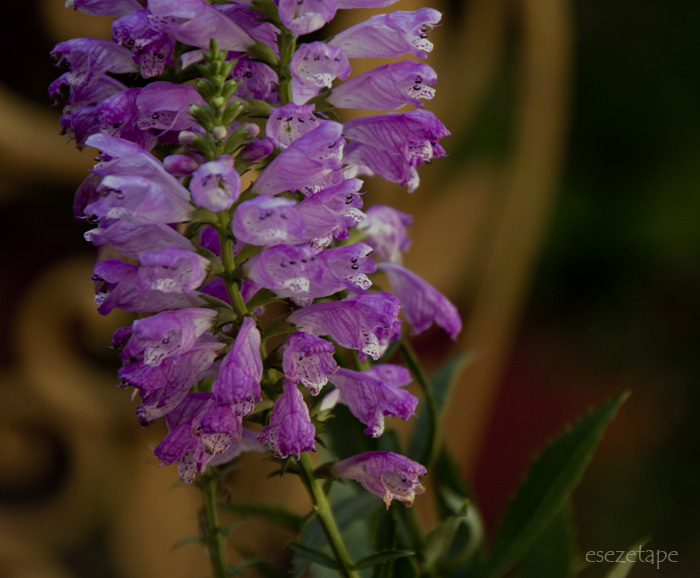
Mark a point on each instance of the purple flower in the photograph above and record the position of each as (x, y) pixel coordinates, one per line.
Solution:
(372, 394)
(160, 336)
(241, 370)
(289, 122)
(105, 7)
(389, 35)
(131, 239)
(118, 116)
(312, 162)
(215, 186)
(304, 16)
(314, 66)
(386, 474)
(164, 106)
(365, 3)
(387, 87)
(421, 303)
(171, 270)
(266, 221)
(308, 359)
(90, 58)
(392, 145)
(385, 231)
(151, 49)
(367, 322)
(195, 22)
(257, 80)
(290, 430)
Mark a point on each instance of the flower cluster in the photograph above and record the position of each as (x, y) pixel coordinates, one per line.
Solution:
(225, 185)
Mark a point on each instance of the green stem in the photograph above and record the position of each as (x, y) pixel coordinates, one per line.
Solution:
(325, 516)
(229, 265)
(213, 533)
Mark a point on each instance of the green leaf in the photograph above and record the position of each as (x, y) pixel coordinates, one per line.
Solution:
(552, 553)
(439, 540)
(187, 540)
(548, 484)
(622, 570)
(276, 515)
(313, 555)
(426, 436)
(382, 558)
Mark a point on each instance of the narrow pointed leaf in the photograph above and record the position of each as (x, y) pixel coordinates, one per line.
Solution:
(622, 570)
(315, 556)
(381, 558)
(552, 553)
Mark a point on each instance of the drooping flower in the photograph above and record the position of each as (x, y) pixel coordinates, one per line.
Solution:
(386, 474)
(90, 58)
(290, 430)
(266, 221)
(105, 7)
(385, 230)
(171, 270)
(308, 360)
(151, 49)
(421, 303)
(314, 66)
(305, 16)
(287, 123)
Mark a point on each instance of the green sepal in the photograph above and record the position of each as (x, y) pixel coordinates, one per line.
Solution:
(215, 302)
(262, 52)
(313, 555)
(382, 558)
(268, 9)
(548, 484)
(202, 215)
(258, 108)
(263, 297)
(203, 115)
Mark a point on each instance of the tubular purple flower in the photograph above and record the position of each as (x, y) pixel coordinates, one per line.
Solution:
(314, 66)
(163, 335)
(151, 49)
(164, 106)
(421, 303)
(392, 145)
(385, 230)
(215, 186)
(105, 7)
(387, 87)
(266, 221)
(307, 164)
(304, 16)
(289, 122)
(257, 80)
(171, 270)
(389, 35)
(308, 360)
(195, 22)
(131, 239)
(241, 369)
(290, 430)
(118, 116)
(90, 58)
(367, 322)
(373, 395)
(386, 474)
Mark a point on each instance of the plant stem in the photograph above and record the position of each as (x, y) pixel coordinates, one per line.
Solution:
(325, 516)
(213, 533)
(229, 265)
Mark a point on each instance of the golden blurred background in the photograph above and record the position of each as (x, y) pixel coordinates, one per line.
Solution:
(564, 225)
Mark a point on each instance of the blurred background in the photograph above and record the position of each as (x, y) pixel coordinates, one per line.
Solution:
(564, 225)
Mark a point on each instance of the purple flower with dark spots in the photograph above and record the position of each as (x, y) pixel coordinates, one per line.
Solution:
(314, 66)
(171, 270)
(289, 122)
(257, 80)
(164, 106)
(373, 395)
(118, 115)
(304, 16)
(241, 370)
(151, 49)
(266, 221)
(131, 239)
(215, 186)
(105, 7)
(386, 474)
(366, 322)
(308, 360)
(343, 4)
(392, 145)
(387, 87)
(290, 430)
(216, 427)
(312, 162)
(195, 22)
(385, 230)
(163, 335)
(421, 303)
(90, 58)
(389, 35)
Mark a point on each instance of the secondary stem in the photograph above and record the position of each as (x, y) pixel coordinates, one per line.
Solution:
(213, 533)
(325, 516)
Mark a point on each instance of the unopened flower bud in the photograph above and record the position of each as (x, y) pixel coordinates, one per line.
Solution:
(219, 132)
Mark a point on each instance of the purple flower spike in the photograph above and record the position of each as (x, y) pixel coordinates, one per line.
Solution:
(304, 16)
(385, 230)
(194, 22)
(166, 334)
(392, 145)
(171, 270)
(367, 322)
(241, 369)
(307, 164)
(266, 221)
(290, 430)
(421, 303)
(90, 58)
(314, 66)
(289, 122)
(215, 186)
(372, 395)
(386, 474)
(389, 35)
(308, 359)
(387, 87)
